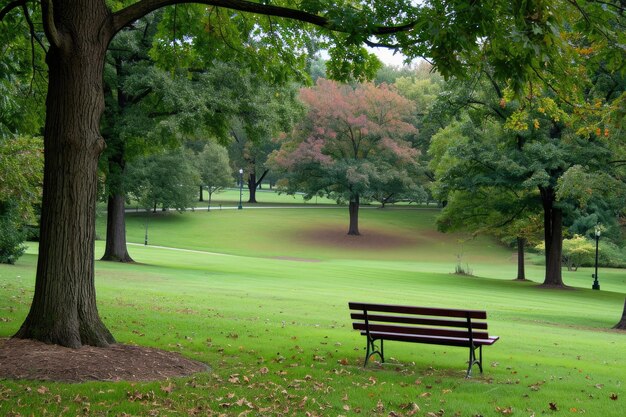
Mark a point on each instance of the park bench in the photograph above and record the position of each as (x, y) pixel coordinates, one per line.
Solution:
(438, 326)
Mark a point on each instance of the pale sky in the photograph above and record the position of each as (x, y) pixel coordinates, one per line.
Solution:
(387, 56)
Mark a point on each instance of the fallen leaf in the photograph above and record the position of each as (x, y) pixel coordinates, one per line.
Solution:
(264, 370)
(167, 388)
(553, 407)
(379, 406)
(412, 408)
(613, 396)
(43, 390)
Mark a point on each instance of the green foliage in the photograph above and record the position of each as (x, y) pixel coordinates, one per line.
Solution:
(22, 77)
(214, 168)
(12, 233)
(610, 255)
(168, 180)
(532, 149)
(21, 174)
(577, 251)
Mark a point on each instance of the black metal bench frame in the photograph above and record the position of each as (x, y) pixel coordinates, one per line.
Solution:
(438, 326)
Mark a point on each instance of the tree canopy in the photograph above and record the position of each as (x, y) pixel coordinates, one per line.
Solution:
(351, 144)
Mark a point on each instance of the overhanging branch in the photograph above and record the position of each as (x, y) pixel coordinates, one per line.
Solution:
(143, 7)
(12, 5)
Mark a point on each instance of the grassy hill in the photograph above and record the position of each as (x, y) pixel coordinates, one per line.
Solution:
(261, 296)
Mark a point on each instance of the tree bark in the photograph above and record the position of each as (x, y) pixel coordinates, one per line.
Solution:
(116, 249)
(354, 216)
(64, 310)
(201, 195)
(521, 271)
(253, 184)
(553, 237)
(252, 187)
(622, 323)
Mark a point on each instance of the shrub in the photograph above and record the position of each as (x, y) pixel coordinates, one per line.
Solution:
(12, 234)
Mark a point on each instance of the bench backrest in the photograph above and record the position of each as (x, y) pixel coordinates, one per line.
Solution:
(443, 322)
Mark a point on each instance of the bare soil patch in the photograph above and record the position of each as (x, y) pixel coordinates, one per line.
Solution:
(368, 240)
(29, 359)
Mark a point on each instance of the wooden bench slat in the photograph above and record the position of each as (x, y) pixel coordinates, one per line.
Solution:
(418, 320)
(386, 328)
(434, 340)
(426, 311)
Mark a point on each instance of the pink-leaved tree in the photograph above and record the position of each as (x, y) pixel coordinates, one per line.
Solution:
(353, 143)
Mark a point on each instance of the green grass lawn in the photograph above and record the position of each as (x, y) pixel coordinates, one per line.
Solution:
(261, 296)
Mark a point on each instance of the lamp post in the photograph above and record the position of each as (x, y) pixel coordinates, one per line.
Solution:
(145, 241)
(596, 284)
(240, 188)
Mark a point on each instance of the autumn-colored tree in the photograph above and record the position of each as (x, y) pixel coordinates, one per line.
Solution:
(351, 144)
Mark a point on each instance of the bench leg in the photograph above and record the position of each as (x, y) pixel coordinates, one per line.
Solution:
(371, 351)
(473, 361)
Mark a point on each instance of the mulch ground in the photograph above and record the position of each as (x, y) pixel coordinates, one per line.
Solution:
(29, 359)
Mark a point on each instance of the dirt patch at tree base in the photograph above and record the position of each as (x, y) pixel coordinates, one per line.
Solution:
(29, 359)
(367, 240)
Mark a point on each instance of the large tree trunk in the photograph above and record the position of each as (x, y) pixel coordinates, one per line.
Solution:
(354, 216)
(553, 236)
(622, 323)
(521, 271)
(64, 310)
(252, 187)
(253, 184)
(201, 198)
(116, 249)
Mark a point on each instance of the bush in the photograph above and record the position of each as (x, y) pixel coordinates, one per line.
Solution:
(580, 251)
(610, 255)
(12, 234)
(577, 251)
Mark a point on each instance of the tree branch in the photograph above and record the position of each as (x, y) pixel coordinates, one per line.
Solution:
(49, 25)
(261, 179)
(12, 5)
(33, 34)
(143, 7)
